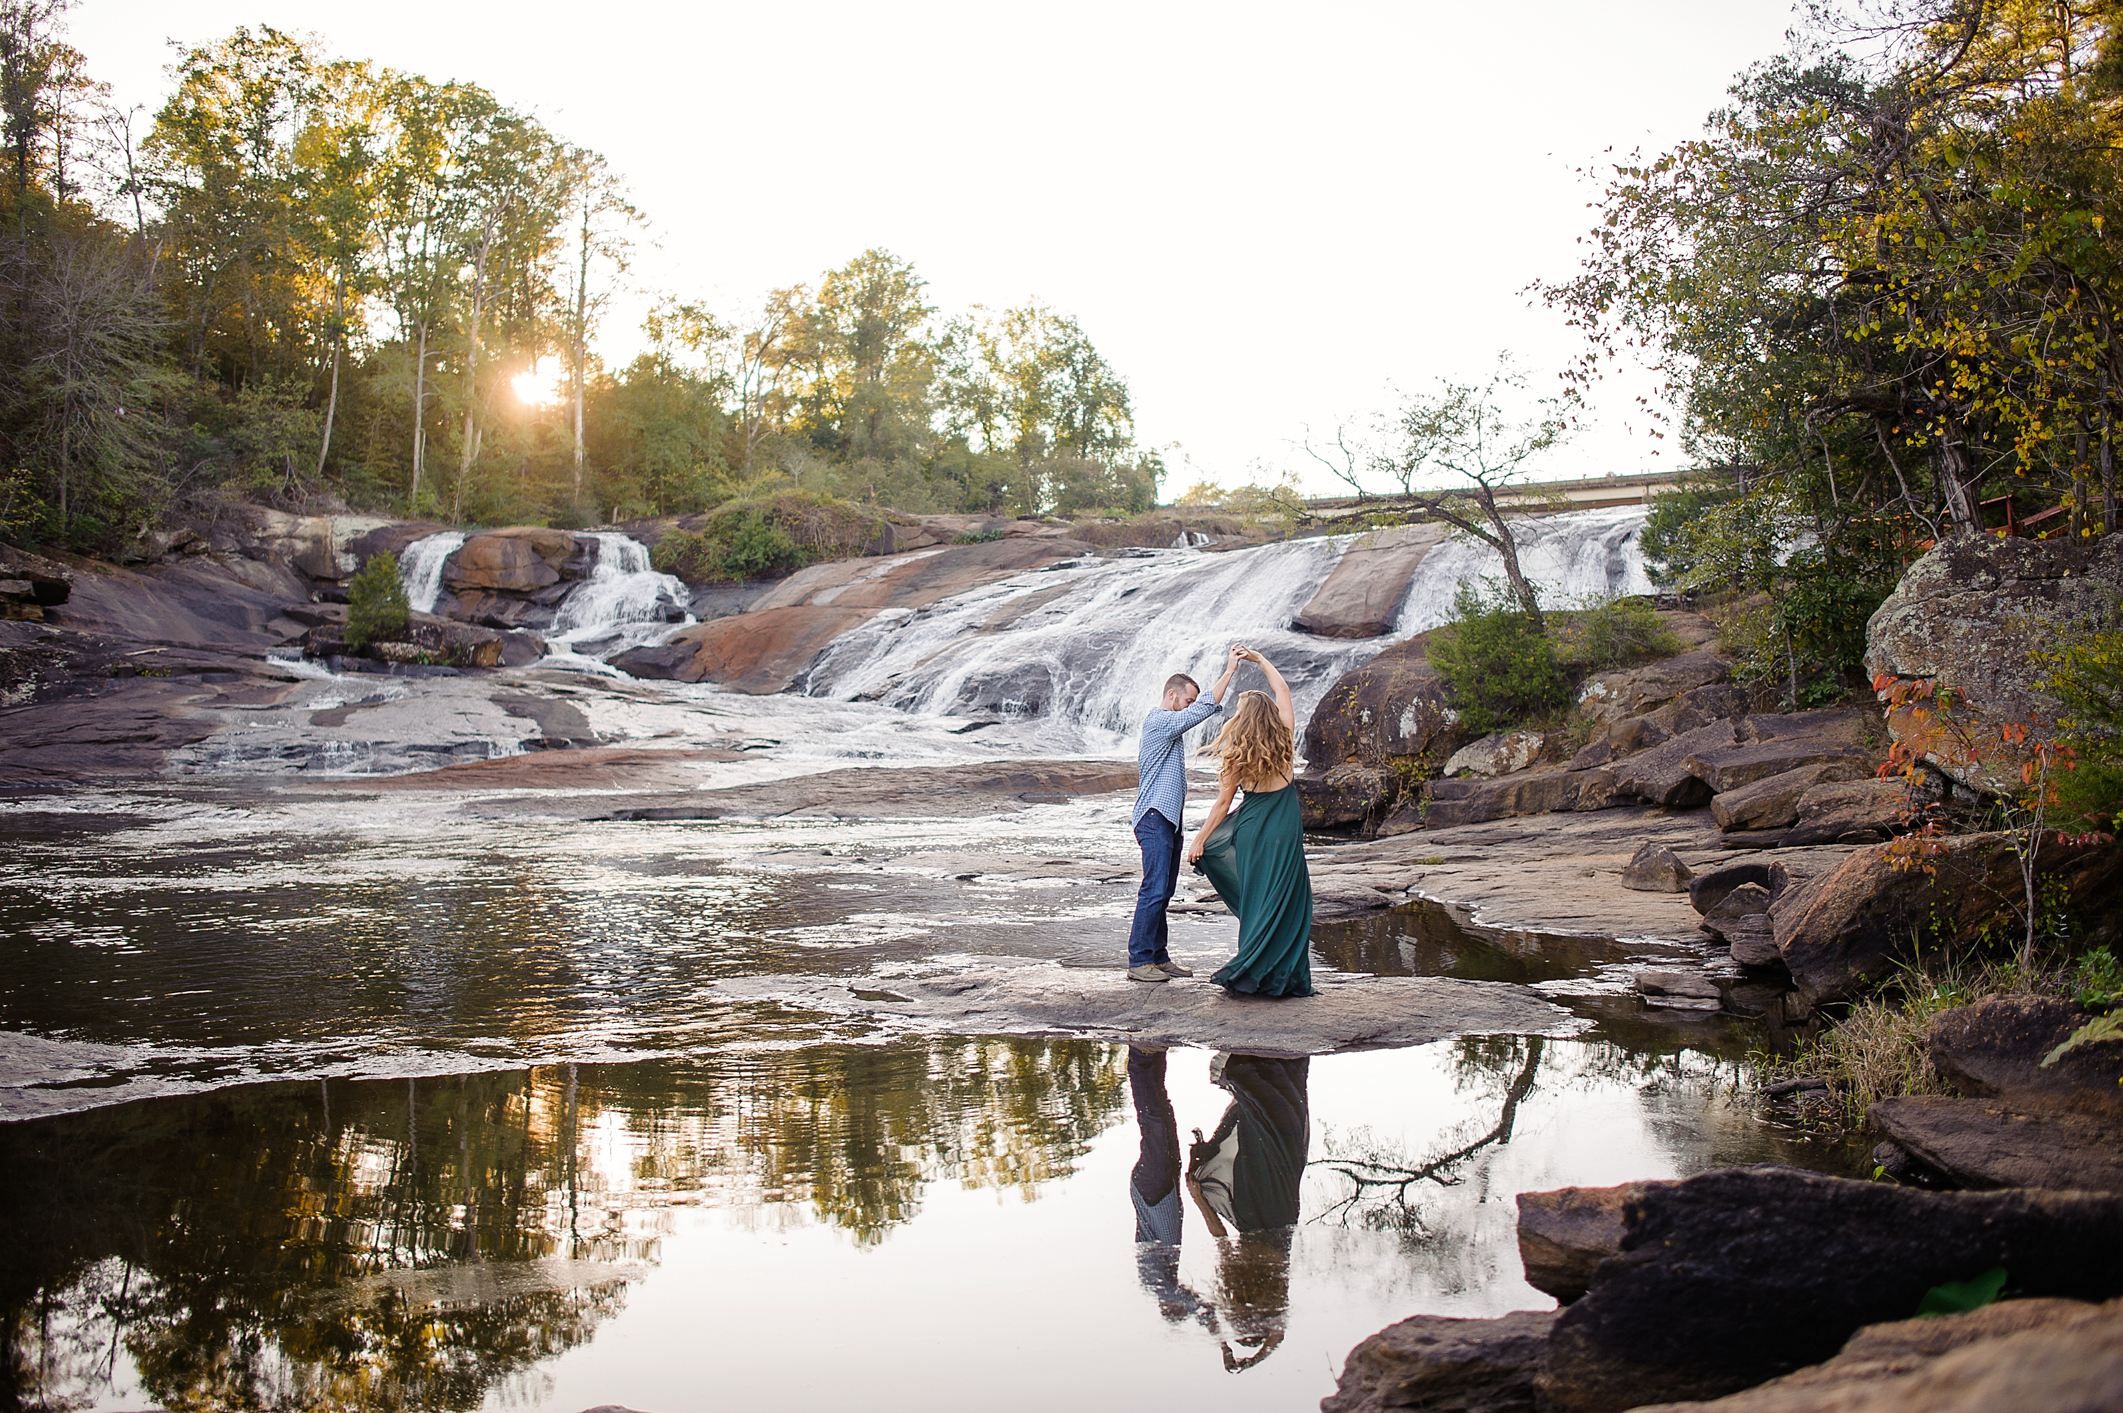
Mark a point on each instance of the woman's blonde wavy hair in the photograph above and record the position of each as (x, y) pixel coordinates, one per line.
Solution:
(1254, 744)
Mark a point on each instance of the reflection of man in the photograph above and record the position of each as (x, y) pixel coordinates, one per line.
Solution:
(1154, 1188)
(1247, 1174)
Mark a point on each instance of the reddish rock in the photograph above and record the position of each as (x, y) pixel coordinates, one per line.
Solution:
(1566, 1233)
(762, 651)
(500, 561)
(1727, 768)
(1660, 776)
(1982, 1144)
(1452, 1365)
(1362, 597)
(1772, 802)
(1851, 812)
(1844, 932)
(1609, 696)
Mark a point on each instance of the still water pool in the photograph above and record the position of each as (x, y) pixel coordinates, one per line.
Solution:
(362, 1104)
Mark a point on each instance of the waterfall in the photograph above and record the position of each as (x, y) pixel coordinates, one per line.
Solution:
(1084, 644)
(623, 604)
(1571, 560)
(420, 567)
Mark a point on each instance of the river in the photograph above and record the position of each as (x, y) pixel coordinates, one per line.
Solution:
(324, 1095)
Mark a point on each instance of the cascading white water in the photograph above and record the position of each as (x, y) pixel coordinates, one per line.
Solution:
(420, 568)
(1083, 644)
(623, 604)
(1571, 560)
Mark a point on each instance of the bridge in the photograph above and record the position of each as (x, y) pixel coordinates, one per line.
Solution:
(1531, 497)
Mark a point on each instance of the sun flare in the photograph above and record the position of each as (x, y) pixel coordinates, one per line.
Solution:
(536, 389)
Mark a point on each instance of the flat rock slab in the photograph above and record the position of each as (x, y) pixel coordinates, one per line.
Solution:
(918, 792)
(1348, 1013)
(1983, 1144)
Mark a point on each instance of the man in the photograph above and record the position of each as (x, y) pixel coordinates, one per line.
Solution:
(1160, 799)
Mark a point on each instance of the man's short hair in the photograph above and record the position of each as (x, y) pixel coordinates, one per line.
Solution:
(1180, 681)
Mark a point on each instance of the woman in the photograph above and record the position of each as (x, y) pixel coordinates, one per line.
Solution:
(1256, 857)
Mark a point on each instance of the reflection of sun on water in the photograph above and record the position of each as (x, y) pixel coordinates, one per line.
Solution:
(536, 389)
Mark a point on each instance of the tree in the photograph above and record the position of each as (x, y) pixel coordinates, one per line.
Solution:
(1467, 431)
(599, 216)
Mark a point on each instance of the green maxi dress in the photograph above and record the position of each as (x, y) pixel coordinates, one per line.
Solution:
(1256, 859)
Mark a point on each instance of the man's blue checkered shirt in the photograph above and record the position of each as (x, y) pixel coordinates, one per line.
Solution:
(1161, 760)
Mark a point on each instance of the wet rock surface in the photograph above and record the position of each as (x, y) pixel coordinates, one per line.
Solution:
(1729, 1279)
(1435, 1362)
(1348, 1013)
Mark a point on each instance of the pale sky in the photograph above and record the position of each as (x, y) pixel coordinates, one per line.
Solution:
(1265, 218)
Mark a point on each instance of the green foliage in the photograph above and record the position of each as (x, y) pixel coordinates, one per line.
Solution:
(377, 608)
(2085, 673)
(1669, 538)
(1959, 1297)
(1498, 668)
(768, 536)
(2100, 1028)
(976, 537)
(2099, 979)
(1613, 633)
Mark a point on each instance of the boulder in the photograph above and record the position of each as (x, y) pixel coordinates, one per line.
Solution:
(1994, 1049)
(2063, 1356)
(1772, 802)
(517, 560)
(1597, 790)
(1450, 802)
(1609, 696)
(1748, 900)
(1983, 1144)
(1752, 941)
(521, 649)
(1362, 597)
(1347, 794)
(1844, 931)
(393, 537)
(1850, 812)
(1391, 707)
(1965, 617)
(1437, 1362)
(1566, 1233)
(1655, 868)
(36, 580)
(1695, 989)
(759, 652)
(426, 638)
(1498, 753)
(1708, 888)
(1737, 1276)
(1733, 767)
(1700, 707)
(1661, 775)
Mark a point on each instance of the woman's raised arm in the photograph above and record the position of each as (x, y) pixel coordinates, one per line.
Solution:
(1284, 707)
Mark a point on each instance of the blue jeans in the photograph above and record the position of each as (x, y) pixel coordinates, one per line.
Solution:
(1159, 838)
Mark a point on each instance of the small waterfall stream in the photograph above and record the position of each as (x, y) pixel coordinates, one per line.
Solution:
(623, 604)
(1083, 644)
(420, 568)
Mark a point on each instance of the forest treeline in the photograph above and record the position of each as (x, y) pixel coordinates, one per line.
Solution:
(307, 279)
(1885, 293)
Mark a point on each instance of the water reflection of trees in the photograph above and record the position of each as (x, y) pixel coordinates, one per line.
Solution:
(414, 1244)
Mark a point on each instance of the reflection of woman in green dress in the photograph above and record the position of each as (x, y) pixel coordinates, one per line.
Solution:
(1256, 856)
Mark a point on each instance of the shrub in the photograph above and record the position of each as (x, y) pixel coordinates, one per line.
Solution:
(2086, 674)
(1615, 633)
(376, 602)
(1497, 667)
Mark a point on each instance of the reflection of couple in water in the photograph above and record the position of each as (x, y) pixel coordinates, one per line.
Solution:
(1255, 855)
(1244, 1180)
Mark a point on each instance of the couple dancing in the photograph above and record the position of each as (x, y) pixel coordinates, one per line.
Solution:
(1255, 855)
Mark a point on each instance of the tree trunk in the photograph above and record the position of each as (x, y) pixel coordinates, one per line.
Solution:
(1507, 545)
(420, 407)
(2079, 468)
(470, 446)
(2108, 474)
(1954, 480)
(331, 404)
